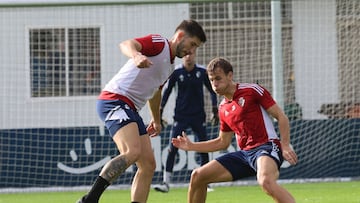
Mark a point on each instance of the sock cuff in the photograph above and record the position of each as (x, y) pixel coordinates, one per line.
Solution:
(103, 181)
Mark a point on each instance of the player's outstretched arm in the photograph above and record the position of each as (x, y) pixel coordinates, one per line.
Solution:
(182, 142)
(221, 142)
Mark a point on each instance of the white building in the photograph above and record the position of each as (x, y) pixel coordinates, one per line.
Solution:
(28, 104)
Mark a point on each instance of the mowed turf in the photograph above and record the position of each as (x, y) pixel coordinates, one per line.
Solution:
(326, 192)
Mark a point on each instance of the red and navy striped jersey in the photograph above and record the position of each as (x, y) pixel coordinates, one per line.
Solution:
(246, 116)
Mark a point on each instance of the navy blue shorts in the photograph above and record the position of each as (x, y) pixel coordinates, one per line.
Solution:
(116, 114)
(242, 164)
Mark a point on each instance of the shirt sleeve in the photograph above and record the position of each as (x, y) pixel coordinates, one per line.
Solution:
(151, 44)
(265, 99)
(223, 126)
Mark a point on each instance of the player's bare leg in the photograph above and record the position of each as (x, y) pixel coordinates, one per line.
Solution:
(127, 140)
(267, 176)
(146, 167)
(211, 172)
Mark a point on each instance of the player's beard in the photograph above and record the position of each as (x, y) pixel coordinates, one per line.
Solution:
(218, 91)
(222, 90)
(179, 49)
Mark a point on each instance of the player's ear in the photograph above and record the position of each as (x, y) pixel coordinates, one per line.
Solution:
(230, 75)
(180, 35)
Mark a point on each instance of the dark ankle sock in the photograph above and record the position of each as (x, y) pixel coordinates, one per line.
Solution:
(97, 189)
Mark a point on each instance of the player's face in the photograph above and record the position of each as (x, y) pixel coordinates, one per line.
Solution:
(187, 45)
(189, 61)
(220, 81)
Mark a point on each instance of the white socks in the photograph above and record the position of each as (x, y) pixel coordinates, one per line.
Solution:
(167, 176)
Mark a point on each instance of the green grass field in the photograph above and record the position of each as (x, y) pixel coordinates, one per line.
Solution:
(327, 192)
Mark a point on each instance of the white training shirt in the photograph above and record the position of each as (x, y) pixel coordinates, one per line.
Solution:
(140, 84)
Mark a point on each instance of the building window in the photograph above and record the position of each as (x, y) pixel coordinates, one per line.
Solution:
(64, 62)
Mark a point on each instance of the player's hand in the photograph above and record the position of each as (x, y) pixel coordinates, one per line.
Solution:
(153, 128)
(163, 123)
(215, 118)
(289, 154)
(141, 61)
(182, 142)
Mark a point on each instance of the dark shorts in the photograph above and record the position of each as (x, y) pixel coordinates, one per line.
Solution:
(116, 114)
(242, 164)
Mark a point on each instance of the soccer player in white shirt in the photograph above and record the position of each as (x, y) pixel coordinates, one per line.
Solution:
(139, 81)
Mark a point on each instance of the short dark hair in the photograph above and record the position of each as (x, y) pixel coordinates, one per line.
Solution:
(192, 28)
(221, 63)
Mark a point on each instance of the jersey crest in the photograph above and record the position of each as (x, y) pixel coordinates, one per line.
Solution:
(241, 101)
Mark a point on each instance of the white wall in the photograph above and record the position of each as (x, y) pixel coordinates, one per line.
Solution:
(315, 55)
(118, 23)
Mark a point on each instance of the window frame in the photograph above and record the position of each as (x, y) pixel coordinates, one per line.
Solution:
(67, 95)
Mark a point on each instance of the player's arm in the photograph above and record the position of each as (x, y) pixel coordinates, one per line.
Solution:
(154, 127)
(220, 143)
(167, 89)
(284, 130)
(132, 49)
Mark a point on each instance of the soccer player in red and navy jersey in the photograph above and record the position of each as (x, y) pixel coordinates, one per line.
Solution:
(246, 111)
(139, 81)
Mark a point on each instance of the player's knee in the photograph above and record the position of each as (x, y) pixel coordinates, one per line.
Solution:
(197, 177)
(147, 169)
(146, 165)
(133, 154)
(266, 183)
(152, 165)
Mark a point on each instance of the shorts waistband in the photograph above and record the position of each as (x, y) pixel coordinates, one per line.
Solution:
(105, 95)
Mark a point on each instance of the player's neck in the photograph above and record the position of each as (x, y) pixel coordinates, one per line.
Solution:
(172, 49)
(229, 95)
(188, 67)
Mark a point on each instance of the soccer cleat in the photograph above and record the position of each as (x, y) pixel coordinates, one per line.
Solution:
(163, 187)
(83, 200)
(80, 200)
(209, 189)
